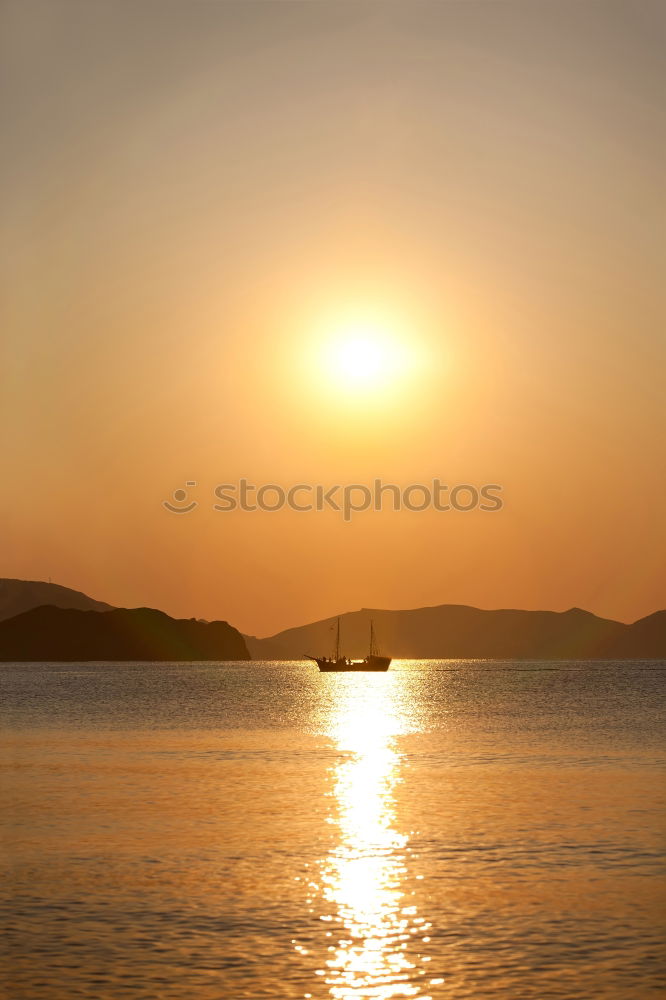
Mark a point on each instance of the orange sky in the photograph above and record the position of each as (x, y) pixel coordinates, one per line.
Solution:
(193, 190)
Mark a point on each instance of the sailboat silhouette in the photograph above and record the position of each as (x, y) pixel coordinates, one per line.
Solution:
(373, 661)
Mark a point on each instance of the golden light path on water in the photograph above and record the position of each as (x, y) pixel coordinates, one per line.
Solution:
(363, 879)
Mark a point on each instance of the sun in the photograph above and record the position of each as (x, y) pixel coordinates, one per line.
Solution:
(363, 355)
(362, 358)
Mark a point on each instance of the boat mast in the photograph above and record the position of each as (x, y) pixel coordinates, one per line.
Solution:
(337, 642)
(372, 638)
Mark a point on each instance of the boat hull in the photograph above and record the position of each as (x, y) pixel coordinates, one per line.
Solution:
(373, 664)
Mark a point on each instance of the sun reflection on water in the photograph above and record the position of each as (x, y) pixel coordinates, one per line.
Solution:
(364, 878)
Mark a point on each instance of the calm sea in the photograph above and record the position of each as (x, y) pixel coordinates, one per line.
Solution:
(224, 831)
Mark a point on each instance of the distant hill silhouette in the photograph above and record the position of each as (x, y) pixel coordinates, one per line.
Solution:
(460, 632)
(648, 634)
(17, 596)
(93, 630)
(50, 633)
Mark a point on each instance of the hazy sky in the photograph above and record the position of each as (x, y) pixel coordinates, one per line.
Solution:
(192, 190)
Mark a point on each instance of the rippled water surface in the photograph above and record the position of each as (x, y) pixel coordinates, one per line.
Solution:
(223, 831)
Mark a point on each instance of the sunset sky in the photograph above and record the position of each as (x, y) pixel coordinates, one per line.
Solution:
(200, 196)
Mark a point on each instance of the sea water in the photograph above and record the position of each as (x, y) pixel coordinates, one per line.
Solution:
(216, 831)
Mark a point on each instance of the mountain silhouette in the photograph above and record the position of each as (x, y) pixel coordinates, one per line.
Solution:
(93, 630)
(460, 632)
(17, 596)
(50, 633)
